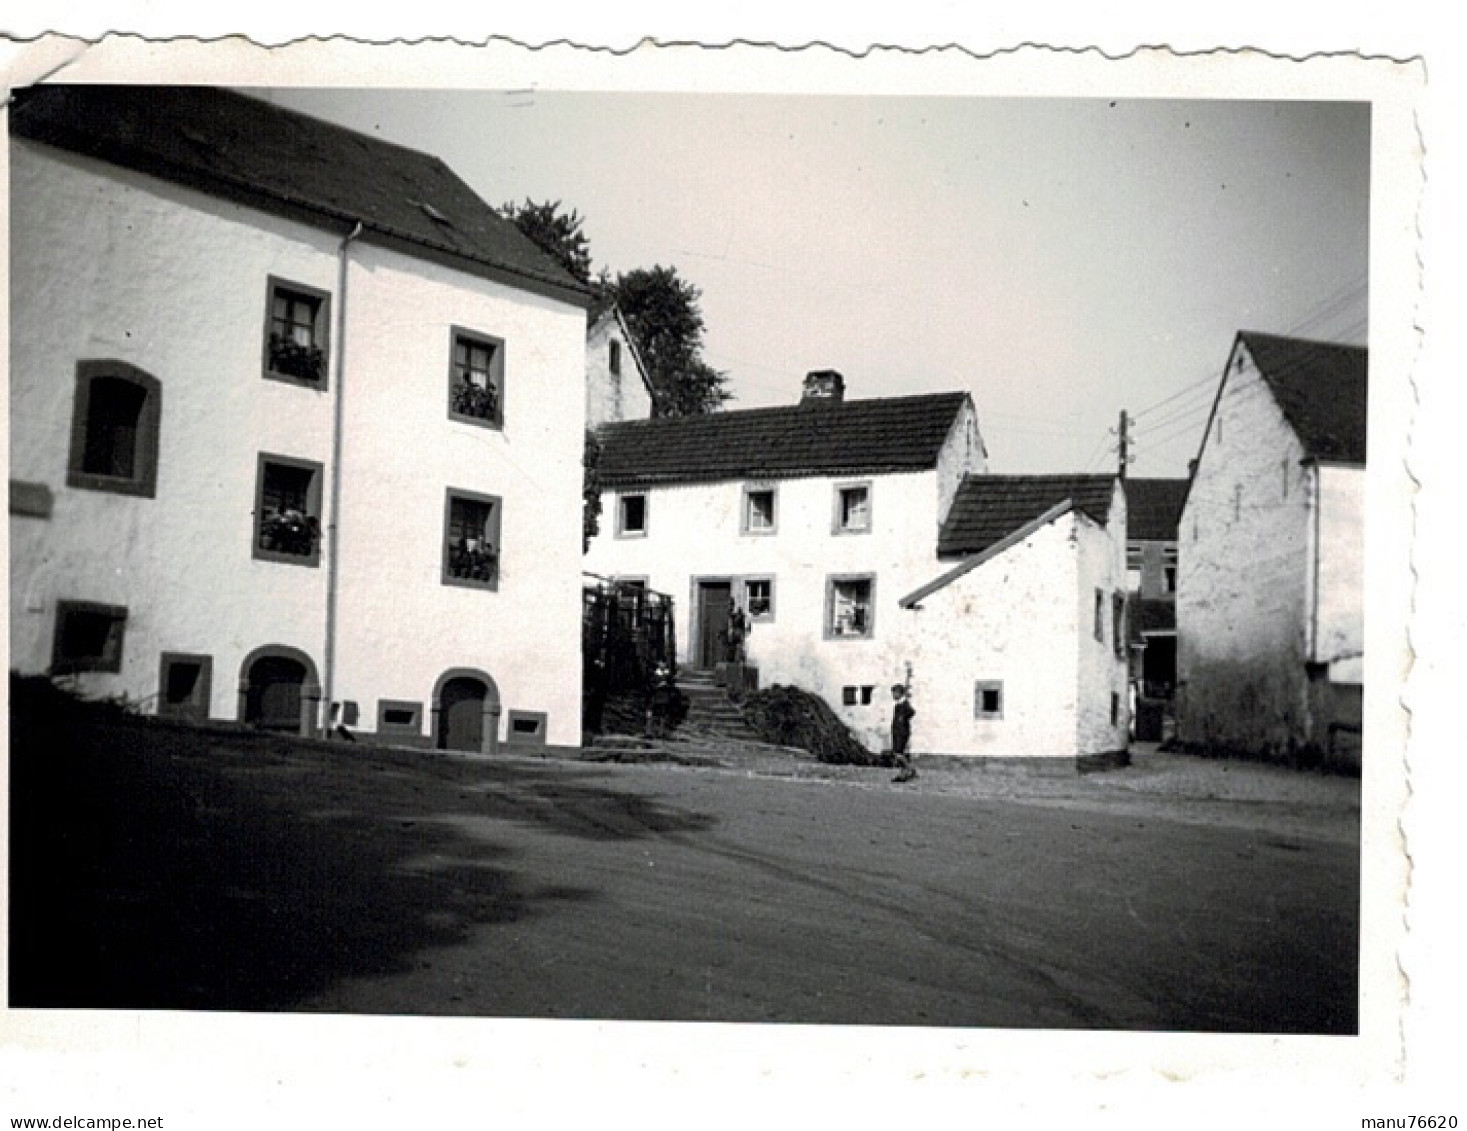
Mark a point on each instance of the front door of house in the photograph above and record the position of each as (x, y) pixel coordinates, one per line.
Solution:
(715, 601)
(274, 697)
(461, 718)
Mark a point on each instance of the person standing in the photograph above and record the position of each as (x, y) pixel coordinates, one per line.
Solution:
(901, 732)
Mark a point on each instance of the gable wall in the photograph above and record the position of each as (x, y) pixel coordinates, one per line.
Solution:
(1243, 585)
(609, 396)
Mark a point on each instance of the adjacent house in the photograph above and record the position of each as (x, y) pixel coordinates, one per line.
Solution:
(1270, 602)
(811, 520)
(1020, 648)
(617, 385)
(295, 426)
(1153, 511)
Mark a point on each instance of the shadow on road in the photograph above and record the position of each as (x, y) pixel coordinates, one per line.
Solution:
(154, 867)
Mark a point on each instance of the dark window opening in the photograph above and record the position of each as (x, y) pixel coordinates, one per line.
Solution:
(88, 637)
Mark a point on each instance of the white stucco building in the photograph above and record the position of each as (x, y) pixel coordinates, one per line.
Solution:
(821, 521)
(295, 420)
(1023, 642)
(1270, 602)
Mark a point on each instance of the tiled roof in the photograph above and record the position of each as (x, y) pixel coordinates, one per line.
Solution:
(989, 507)
(1321, 389)
(857, 437)
(255, 153)
(1154, 508)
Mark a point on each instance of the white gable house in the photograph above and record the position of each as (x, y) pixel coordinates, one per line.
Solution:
(1020, 647)
(1270, 597)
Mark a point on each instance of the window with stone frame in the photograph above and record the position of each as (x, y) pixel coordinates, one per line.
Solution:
(471, 544)
(759, 510)
(287, 510)
(476, 379)
(850, 607)
(853, 508)
(759, 599)
(631, 515)
(116, 419)
(297, 326)
(988, 699)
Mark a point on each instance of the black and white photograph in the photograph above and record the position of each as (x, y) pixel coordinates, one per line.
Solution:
(603, 549)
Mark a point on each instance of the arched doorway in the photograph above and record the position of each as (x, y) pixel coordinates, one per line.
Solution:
(466, 711)
(279, 690)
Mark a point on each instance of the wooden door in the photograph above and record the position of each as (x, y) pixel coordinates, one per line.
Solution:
(715, 600)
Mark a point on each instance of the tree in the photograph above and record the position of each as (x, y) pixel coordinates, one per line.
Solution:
(590, 490)
(556, 233)
(660, 307)
(662, 311)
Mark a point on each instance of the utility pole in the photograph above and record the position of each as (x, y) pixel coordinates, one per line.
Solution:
(1124, 432)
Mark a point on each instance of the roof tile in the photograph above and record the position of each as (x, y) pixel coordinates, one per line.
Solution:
(859, 437)
(989, 507)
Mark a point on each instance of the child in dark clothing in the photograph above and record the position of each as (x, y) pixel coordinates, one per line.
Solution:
(901, 733)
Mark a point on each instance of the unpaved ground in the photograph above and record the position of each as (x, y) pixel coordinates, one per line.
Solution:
(155, 867)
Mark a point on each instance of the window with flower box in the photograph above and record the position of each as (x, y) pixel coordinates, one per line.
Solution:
(471, 540)
(759, 599)
(288, 510)
(476, 379)
(296, 329)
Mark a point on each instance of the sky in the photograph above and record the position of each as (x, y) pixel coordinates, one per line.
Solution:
(1064, 260)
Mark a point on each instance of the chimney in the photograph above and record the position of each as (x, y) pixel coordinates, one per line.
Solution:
(824, 385)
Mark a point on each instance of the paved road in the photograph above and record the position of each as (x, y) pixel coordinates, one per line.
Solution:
(165, 870)
(667, 894)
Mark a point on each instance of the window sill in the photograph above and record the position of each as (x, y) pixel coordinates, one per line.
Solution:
(490, 424)
(315, 384)
(112, 484)
(310, 561)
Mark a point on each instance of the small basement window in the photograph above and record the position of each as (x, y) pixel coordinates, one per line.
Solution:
(399, 717)
(988, 699)
(528, 727)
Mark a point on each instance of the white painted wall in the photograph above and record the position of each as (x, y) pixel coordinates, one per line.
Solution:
(1243, 584)
(110, 264)
(1025, 618)
(1014, 618)
(1339, 618)
(1101, 671)
(695, 532)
